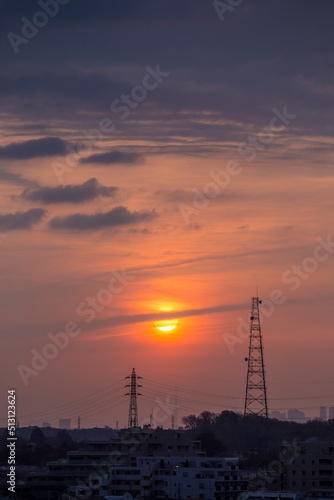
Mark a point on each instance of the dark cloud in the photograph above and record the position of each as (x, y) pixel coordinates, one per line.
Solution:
(118, 216)
(113, 12)
(87, 191)
(238, 77)
(35, 148)
(49, 93)
(227, 71)
(113, 157)
(140, 318)
(183, 17)
(21, 220)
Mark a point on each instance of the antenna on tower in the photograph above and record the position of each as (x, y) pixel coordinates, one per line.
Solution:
(133, 410)
(256, 392)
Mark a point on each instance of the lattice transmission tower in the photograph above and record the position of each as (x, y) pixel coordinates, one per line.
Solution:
(133, 409)
(256, 391)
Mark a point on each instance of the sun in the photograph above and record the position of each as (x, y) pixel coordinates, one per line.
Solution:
(166, 325)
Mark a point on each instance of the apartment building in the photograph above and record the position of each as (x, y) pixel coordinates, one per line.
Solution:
(179, 478)
(311, 470)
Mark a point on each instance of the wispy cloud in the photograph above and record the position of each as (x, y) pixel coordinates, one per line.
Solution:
(118, 216)
(34, 148)
(114, 157)
(80, 193)
(22, 220)
(143, 318)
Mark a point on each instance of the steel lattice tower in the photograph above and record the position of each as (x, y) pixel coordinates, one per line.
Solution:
(133, 410)
(256, 392)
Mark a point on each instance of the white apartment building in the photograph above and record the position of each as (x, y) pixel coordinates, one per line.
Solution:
(179, 478)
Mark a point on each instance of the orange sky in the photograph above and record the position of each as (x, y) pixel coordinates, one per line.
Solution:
(235, 247)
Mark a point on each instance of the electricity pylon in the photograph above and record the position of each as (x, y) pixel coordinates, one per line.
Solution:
(256, 392)
(133, 410)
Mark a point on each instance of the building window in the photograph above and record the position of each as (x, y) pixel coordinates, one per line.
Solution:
(325, 472)
(325, 461)
(326, 484)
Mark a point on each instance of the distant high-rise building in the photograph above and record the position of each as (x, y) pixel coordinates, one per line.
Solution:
(331, 412)
(46, 424)
(297, 415)
(64, 423)
(323, 413)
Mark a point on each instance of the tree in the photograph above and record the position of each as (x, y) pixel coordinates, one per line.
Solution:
(190, 422)
(206, 418)
(37, 436)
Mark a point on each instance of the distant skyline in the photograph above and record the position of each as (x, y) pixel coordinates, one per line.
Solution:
(160, 163)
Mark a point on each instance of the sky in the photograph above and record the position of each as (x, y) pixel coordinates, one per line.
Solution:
(163, 161)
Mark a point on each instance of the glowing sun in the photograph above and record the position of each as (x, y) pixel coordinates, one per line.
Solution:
(166, 325)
